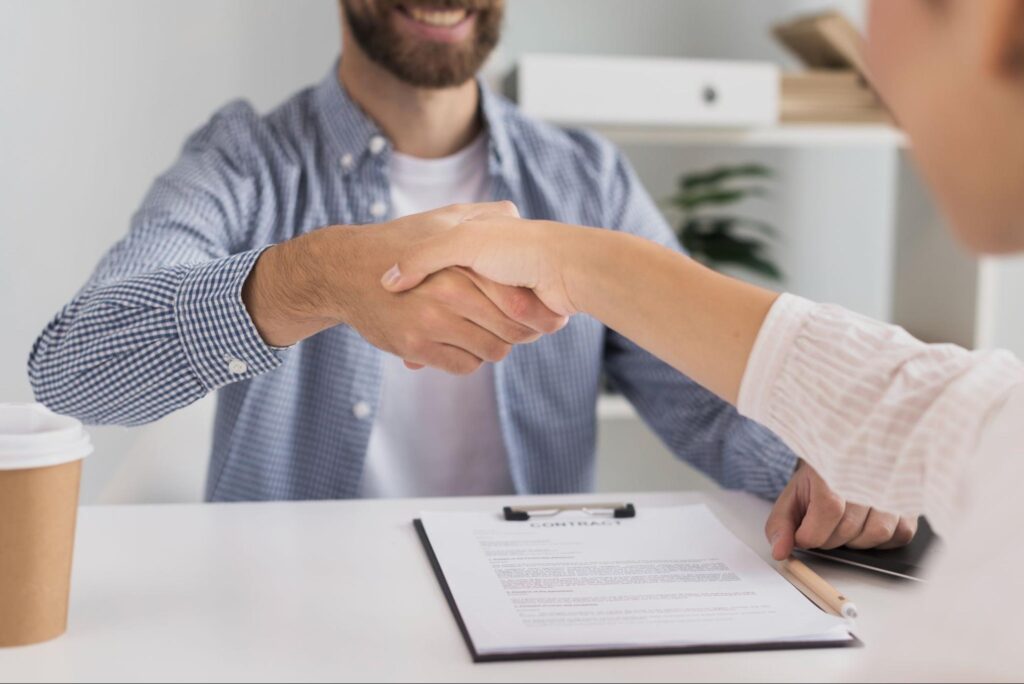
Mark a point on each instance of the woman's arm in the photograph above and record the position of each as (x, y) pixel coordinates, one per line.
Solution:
(702, 323)
(889, 421)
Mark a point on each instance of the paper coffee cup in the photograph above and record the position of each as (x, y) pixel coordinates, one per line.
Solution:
(40, 466)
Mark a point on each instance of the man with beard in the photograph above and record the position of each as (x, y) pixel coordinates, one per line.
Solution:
(253, 268)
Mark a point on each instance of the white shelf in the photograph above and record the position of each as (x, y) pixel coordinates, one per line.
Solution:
(615, 407)
(787, 135)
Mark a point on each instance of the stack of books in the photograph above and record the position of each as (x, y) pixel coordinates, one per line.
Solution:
(834, 87)
(832, 96)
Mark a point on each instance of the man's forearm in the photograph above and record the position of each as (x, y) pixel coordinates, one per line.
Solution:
(287, 293)
(702, 323)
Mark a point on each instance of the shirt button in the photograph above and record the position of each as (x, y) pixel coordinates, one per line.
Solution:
(361, 410)
(378, 209)
(237, 366)
(347, 160)
(377, 144)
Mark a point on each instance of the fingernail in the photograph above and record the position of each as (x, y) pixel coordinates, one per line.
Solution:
(392, 276)
(773, 540)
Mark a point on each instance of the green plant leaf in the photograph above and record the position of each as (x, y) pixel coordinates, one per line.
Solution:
(714, 243)
(718, 240)
(739, 224)
(760, 266)
(690, 201)
(717, 175)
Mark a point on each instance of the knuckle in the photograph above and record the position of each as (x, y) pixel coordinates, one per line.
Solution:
(465, 366)
(834, 505)
(518, 304)
(855, 515)
(517, 333)
(457, 208)
(416, 347)
(555, 323)
(905, 532)
(507, 207)
(848, 528)
(419, 346)
(442, 287)
(498, 351)
(544, 323)
(880, 529)
(429, 318)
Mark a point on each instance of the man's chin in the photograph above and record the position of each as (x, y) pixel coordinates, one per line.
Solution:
(432, 65)
(428, 47)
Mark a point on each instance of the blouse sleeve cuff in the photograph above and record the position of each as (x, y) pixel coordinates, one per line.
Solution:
(778, 332)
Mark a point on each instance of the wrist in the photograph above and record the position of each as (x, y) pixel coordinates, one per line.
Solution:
(285, 293)
(581, 257)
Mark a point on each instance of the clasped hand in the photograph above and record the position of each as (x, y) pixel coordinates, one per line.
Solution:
(453, 320)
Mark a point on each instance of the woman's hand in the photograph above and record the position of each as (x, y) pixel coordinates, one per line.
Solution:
(810, 515)
(507, 250)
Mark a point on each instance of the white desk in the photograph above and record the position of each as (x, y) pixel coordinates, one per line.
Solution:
(339, 591)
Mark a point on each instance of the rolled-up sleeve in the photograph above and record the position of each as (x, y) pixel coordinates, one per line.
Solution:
(161, 322)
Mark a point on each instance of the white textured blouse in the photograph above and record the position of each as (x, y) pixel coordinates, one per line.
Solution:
(912, 428)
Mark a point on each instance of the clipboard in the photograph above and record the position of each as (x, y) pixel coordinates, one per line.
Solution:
(510, 514)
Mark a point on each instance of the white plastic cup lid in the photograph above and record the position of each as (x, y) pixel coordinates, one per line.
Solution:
(32, 436)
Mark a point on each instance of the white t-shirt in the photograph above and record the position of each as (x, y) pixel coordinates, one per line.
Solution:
(436, 434)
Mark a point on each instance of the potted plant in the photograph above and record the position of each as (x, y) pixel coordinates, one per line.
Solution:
(716, 236)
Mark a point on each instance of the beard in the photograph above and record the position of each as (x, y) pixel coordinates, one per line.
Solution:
(424, 63)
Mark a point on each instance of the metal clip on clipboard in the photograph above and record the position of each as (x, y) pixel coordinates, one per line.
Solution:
(614, 510)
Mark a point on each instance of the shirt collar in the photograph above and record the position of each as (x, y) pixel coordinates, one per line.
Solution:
(494, 109)
(351, 133)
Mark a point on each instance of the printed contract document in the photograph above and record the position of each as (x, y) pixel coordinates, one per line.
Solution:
(668, 579)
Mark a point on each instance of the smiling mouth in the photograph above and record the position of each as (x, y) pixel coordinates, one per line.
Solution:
(436, 18)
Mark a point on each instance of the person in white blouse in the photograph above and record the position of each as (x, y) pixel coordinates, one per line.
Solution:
(889, 421)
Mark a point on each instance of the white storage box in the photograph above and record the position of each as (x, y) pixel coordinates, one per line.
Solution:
(577, 89)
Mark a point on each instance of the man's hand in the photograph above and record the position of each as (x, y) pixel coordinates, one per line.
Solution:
(809, 515)
(454, 321)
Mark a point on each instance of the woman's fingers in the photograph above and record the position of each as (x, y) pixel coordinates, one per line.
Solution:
(906, 530)
(453, 248)
(850, 526)
(519, 305)
(879, 528)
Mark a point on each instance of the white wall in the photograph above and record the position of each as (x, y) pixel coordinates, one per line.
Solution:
(96, 99)
(1000, 323)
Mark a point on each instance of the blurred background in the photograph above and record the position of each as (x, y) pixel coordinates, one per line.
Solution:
(97, 98)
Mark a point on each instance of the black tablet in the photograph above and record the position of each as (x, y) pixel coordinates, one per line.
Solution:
(908, 562)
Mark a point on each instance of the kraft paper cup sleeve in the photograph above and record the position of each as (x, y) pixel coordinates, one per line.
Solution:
(40, 469)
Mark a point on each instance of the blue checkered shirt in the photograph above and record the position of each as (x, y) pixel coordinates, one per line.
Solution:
(161, 322)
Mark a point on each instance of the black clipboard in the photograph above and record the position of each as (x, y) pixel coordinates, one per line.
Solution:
(421, 531)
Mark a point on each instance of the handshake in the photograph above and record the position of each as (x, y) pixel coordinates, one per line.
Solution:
(459, 286)
(454, 319)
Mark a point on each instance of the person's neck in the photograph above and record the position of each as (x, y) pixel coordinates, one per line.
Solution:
(421, 122)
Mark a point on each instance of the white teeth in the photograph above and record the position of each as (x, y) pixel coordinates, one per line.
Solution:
(442, 18)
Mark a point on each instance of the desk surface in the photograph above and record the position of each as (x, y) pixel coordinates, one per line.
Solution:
(341, 591)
